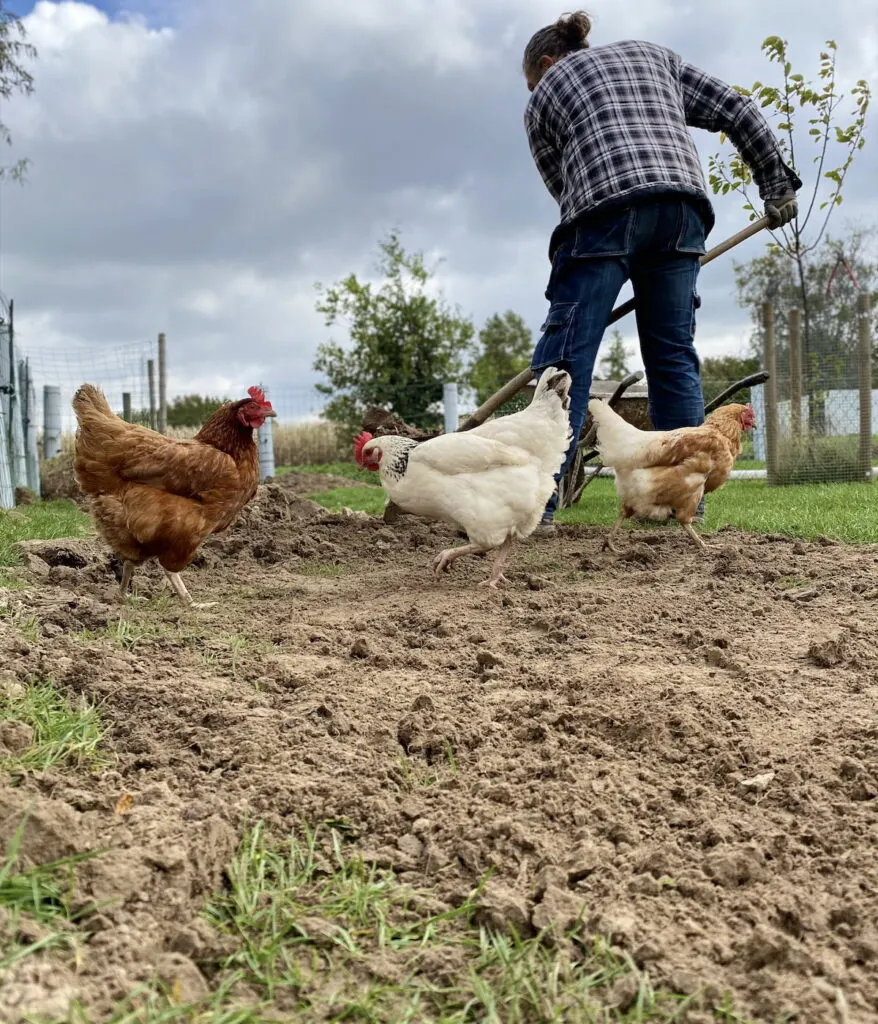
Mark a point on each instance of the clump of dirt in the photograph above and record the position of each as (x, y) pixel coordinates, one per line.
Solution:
(678, 750)
(57, 479)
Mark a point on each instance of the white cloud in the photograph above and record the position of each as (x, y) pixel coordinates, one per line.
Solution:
(198, 166)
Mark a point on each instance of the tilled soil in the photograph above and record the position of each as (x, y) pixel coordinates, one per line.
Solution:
(681, 748)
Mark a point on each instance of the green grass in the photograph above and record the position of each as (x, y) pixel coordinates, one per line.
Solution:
(62, 735)
(44, 520)
(318, 934)
(845, 512)
(361, 499)
(347, 469)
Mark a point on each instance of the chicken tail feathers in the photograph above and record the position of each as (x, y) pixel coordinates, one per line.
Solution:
(617, 440)
(90, 399)
(554, 382)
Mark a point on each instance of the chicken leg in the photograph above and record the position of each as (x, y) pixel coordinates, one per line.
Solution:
(125, 583)
(500, 556)
(176, 581)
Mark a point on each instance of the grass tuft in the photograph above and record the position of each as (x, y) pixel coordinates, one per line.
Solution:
(44, 520)
(59, 733)
(37, 903)
(323, 936)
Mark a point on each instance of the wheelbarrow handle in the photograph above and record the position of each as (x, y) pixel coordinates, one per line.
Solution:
(747, 382)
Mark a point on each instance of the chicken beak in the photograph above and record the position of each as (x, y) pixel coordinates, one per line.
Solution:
(270, 413)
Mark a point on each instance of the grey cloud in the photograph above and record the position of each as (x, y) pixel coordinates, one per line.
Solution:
(260, 149)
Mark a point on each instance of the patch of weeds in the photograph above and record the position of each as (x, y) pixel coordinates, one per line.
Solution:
(791, 582)
(322, 935)
(20, 619)
(61, 734)
(223, 653)
(10, 582)
(36, 903)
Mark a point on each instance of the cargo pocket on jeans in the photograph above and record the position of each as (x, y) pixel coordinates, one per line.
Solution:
(553, 347)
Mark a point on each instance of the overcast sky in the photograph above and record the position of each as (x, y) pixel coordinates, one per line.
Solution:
(198, 164)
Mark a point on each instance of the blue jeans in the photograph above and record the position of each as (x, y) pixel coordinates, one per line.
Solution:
(655, 244)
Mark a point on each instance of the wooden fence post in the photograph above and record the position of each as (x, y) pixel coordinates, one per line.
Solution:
(795, 346)
(770, 363)
(126, 406)
(163, 387)
(865, 373)
(150, 373)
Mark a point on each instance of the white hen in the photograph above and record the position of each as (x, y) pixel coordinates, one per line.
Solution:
(493, 482)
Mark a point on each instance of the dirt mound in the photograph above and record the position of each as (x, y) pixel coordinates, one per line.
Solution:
(679, 750)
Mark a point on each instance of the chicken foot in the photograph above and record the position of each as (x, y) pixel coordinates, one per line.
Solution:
(613, 534)
(445, 559)
(699, 543)
(176, 581)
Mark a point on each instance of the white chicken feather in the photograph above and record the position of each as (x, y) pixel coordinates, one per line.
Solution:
(493, 482)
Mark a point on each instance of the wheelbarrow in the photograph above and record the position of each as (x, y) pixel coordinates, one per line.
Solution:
(573, 483)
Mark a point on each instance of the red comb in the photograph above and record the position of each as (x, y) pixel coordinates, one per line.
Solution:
(359, 441)
(258, 395)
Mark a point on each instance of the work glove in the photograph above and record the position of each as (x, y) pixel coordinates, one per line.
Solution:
(782, 210)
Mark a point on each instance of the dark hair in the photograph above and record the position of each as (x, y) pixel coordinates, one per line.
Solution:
(570, 32)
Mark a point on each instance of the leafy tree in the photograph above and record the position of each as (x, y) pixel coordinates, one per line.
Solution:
(833, 275)
(505, 347)
(718, 372)
(405, 342)
(614, 365)
(832, 137)
(193, 410)
(14, 76)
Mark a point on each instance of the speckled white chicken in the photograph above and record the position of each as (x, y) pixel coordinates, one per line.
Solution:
(492, 482)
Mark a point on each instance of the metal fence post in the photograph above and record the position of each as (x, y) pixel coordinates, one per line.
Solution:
(449, 401)
(51, 421)
(31, 453)
(265, 442)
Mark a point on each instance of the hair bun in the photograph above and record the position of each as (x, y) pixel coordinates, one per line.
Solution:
(574, 28)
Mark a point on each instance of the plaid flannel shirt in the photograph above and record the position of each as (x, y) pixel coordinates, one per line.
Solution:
(609, 124)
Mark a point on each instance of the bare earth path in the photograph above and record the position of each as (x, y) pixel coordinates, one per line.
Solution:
(682, 749)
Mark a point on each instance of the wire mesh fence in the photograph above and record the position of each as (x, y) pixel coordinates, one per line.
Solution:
(820, 407)
(19, 460)
(815, 415)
